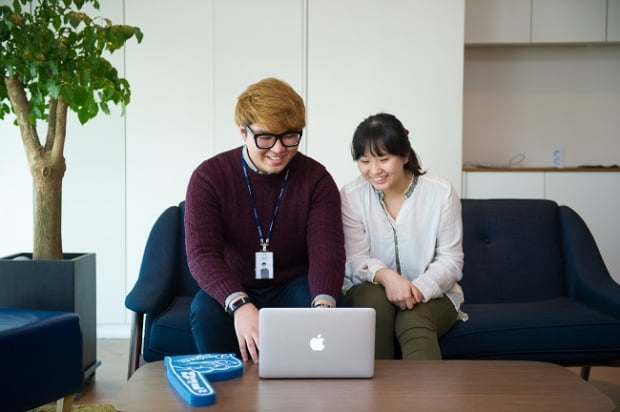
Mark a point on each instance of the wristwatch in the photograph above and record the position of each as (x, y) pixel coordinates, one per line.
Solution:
(236, 304)
(322, 305)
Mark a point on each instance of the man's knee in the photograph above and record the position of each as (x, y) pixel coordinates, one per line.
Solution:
(212, 327)
(204, 306)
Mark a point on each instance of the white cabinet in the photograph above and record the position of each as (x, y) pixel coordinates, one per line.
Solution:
(541, 21)
(556, 21)
(613, 20)
(497, 21)
(595, 196)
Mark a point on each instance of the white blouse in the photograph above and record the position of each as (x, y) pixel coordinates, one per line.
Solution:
(425, 239)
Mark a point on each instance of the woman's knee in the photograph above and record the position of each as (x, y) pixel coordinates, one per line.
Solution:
(369, 295)
(433, 318)
(372, 295)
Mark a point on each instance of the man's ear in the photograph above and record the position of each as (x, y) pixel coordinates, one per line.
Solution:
(242, 131)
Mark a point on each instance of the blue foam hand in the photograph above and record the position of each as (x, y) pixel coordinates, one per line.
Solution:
(189, 375)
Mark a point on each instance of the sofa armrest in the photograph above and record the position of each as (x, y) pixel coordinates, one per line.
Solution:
(156, 284)
(588, 279)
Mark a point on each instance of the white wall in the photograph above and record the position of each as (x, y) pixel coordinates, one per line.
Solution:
(347, 58)
(403, 57)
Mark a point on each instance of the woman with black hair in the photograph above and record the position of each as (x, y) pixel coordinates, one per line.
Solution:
(403, 239)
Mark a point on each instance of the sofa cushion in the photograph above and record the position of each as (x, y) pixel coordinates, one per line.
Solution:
(40, 357)
(512, 251)
(170, 333)
(554, 330)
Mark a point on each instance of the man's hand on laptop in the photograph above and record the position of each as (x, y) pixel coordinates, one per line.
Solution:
(246, 327)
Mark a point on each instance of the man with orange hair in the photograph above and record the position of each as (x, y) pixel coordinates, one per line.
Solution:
(261, 205)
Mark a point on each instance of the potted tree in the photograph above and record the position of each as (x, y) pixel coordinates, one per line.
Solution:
(52, 61)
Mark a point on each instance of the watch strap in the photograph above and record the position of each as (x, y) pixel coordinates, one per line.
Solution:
(236, 304)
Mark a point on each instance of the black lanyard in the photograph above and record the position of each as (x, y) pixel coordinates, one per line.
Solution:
(264, 242)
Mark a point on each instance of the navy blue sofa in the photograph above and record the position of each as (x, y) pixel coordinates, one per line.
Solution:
(536, 288)
(40, 358)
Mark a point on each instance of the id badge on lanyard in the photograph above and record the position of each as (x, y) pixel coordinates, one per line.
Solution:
(263, 266)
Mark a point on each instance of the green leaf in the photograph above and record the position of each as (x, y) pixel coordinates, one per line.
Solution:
(4, 110)
(4, 29)
(67, 94)
(56, 22)
(83, 115)
(93, 109)
(73, 19)
(80, 96)
(105, 107)
(138, 34)
(32, 70)
(108, 92)
(53, 88)
(53, 68)
(35, 114)
(37, 98)
(85, 78)
(17, 7)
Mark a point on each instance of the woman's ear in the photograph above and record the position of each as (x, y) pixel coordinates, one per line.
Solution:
(406, 158)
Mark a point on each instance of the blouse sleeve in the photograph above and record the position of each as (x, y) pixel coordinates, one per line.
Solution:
(445, 269)
(360, 267)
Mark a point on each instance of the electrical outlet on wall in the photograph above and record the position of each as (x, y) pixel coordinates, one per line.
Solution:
(557, 156)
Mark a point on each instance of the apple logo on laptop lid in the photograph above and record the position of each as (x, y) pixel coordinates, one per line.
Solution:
(317, 343)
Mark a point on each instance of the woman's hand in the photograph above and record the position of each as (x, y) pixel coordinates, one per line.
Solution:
(398, 290)
(246, 328)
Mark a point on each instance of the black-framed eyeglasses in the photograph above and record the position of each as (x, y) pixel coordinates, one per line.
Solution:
(289, 138)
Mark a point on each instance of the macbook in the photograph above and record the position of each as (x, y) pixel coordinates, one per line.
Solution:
(316, 343)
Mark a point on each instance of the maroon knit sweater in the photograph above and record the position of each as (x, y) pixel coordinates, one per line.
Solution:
(221, 235)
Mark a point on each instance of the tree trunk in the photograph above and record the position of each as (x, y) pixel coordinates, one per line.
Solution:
(47, 167)
(47, 176)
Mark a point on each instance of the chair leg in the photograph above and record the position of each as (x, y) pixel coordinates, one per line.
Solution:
(65, 404)
(585, 373)
(135, 343)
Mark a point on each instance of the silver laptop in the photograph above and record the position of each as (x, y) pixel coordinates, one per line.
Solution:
(316, 343)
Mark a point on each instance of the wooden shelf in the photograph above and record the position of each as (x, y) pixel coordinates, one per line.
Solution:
(543, 169)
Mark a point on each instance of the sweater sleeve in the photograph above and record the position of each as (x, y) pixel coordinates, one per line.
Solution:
(325, 239)
(204, 238)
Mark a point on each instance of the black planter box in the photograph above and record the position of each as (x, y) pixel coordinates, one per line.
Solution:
(66, 285)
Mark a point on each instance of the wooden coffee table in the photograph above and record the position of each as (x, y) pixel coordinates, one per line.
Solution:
(397, 386)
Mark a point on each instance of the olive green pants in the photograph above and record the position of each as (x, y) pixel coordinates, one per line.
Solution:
(417, 330)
